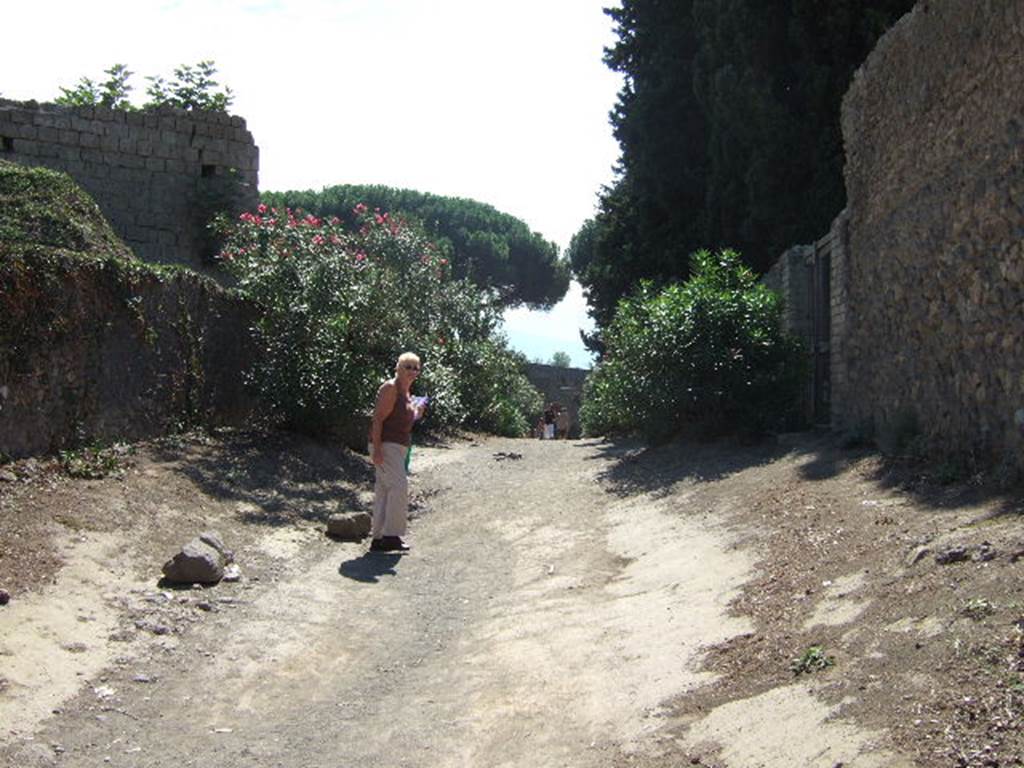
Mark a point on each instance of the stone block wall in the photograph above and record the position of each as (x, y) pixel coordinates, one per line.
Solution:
(839, 318)
(933, 125)
(790, 277)
(560, 385)
(156, 175)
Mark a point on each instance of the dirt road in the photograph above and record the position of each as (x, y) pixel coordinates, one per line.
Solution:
(565, 604)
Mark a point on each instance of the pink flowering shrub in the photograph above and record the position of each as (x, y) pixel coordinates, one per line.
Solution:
(340, 303)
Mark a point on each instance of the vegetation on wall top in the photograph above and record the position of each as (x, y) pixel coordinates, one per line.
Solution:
(43, 211)
(193, 87)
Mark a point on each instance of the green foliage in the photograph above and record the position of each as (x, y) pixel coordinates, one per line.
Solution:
(340, 304)
(707, 354)
(193, 87)
(44, 210)
(95, 461)
(561, 360)
(814, 659)
(494, 250)
(728, 123)
(113, 92)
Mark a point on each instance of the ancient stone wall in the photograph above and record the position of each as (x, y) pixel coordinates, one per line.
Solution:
(99, 350)
(934, 132)
(560, 385)
(157, 175)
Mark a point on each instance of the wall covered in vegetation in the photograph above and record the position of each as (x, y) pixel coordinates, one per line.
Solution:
(157, 175)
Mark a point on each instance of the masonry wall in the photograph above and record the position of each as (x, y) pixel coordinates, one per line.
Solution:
(560, 385)
(156, 175)
(934, 131)
(99, 351)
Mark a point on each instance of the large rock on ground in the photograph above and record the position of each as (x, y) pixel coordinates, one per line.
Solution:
(197, 563)
(349, 525)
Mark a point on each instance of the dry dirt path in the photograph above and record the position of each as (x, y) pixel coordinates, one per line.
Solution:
(553, 612)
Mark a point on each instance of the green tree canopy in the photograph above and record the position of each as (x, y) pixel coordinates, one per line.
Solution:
(494, 250)
(728, 123)
(561, 360)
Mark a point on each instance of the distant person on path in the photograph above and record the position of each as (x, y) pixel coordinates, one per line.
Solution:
(562, 424)
(549, 422)
(390, 438)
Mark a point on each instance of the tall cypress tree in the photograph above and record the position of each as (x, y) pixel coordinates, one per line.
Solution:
(728, 123)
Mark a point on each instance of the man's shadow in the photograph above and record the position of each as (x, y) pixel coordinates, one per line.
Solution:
(370, 566)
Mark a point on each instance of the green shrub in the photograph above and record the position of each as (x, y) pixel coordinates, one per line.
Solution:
(708, 354)
(339, 306)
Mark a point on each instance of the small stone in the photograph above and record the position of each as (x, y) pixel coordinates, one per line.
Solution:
(6, 476)
(197, 562)
(985, 552)
(202, 605)
(349, 525)
(918, 555)
(143, 678)
(952, 555)
(232, 573)
(5, 597)
(161, 629)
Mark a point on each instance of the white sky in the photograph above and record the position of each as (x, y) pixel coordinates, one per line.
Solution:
(502, 102)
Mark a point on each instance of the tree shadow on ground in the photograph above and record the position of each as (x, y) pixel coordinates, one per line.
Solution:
(931, 483)
(370, 566)
(636, 468)
(281, 476)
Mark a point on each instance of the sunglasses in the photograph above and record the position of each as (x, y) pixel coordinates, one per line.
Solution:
(411, 367)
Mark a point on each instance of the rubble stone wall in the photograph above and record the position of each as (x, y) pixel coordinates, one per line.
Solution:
(933, 125)
(96, 351)
(158, 176)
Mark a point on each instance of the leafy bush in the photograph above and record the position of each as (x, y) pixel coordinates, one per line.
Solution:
(706, 354)
(339, 306)
(495, 250)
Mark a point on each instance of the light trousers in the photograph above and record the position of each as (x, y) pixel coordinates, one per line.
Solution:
(390, 493)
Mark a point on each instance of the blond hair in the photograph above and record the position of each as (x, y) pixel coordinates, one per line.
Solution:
(407, 357)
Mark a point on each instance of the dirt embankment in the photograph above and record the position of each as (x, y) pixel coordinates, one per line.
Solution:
(566, 603)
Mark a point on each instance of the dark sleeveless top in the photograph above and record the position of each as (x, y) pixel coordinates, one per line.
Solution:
(397, 427)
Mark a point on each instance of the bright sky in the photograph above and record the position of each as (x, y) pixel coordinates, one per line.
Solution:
(502, 102)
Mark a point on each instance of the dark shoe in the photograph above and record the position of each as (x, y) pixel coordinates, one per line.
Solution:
(395, 544)
(380, 545)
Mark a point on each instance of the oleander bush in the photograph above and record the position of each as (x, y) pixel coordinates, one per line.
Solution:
(342, 300)
(707, 354)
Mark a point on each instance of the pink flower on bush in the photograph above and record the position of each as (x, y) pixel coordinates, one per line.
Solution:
(360, 256)
(262, 208)
(318, 240)
(360, 209)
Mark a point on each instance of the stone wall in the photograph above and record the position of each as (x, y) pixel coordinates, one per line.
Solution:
(790, 277)
(156, 175)
(934, 131)
(98, 350)
(560, 385)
